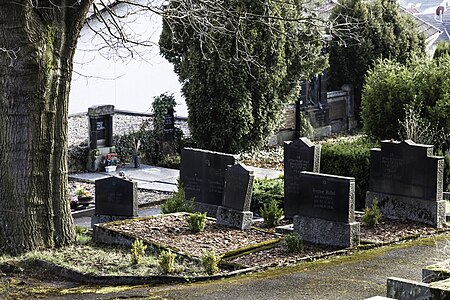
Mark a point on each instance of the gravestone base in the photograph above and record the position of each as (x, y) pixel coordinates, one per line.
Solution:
(413, 209)
(98, 219)
(320, 231)
(209, 209)
(234, 218)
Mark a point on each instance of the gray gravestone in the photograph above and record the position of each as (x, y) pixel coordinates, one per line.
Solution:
(299, 155)
(116, 197)
(235, 209)
(326, 212)
(407, 181)
(202, 174)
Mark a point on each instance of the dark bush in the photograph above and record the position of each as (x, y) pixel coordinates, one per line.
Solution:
(349, 158)
(264, 190)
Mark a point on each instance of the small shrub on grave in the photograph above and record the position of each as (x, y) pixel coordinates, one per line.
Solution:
(210, 261)
(349, 158)
(264, 190)
(137, 251)
(82, 235)
(271, 213)
(177, 202)
(372, 215)
(170, 161)
(197, 222)
(293, 243)
(166, 261)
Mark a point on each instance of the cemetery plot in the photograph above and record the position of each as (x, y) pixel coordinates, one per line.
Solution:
(172, 231)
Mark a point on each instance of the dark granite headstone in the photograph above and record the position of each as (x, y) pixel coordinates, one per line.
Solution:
(238, 188)
(327, 197)
(406, 169)
(299, 155)
(169, 126)
(100, 126)
(202, 174)
(327, 210)
(116, 197)
(407, 181)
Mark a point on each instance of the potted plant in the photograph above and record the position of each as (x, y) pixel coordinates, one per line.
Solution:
(84, 196)
(110, 161)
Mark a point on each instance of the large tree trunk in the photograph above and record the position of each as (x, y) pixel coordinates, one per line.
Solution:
(37, 44)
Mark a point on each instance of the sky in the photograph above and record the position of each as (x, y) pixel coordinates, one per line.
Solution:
(105, 76)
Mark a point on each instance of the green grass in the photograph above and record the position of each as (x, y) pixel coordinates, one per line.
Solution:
(94, 259)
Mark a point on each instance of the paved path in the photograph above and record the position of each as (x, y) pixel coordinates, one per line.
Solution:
(157, 178)
(358, 276)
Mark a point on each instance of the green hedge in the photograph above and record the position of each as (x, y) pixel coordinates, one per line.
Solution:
(264, 190)
(349, 158)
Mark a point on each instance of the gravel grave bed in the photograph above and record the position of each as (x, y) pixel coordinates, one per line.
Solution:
(173, 231)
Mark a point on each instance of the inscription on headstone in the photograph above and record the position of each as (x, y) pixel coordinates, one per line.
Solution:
(169, 126)
(327, 210)
(406, 169)
(299, 155)
(327, 197)
(407, 181)
(202, 174)
(100, 126)
(116, 197)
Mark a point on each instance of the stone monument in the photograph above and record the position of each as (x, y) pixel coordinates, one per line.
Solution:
(326, 212)
(100, 134)
(115, 199)
(407, 181)
(235, 209)
(299, 155)
(202, 174)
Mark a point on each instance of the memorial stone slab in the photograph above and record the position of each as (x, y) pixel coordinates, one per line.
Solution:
(100, 126)
(202, 174)
(169, 126)
(238, 188)
(328, 197)
(299, 155)
(235, 209)
(116, 197)
(326, 212)
(407, 181)
(406, 169)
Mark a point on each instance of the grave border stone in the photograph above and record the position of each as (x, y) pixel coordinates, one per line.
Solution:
(428, 208)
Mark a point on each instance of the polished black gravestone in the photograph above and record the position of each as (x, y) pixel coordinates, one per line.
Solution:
(299, 155)
(235, 209)
(326, 211)
(100, 126)
(115, 199)
(202, 174)
(169, 126)
(407, 181)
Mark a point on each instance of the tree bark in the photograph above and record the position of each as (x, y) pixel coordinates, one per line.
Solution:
(37, 44)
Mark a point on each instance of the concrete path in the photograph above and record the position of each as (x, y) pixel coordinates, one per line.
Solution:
(359, 276)
(157, 178)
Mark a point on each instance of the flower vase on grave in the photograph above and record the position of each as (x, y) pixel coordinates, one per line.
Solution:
(136, 160)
